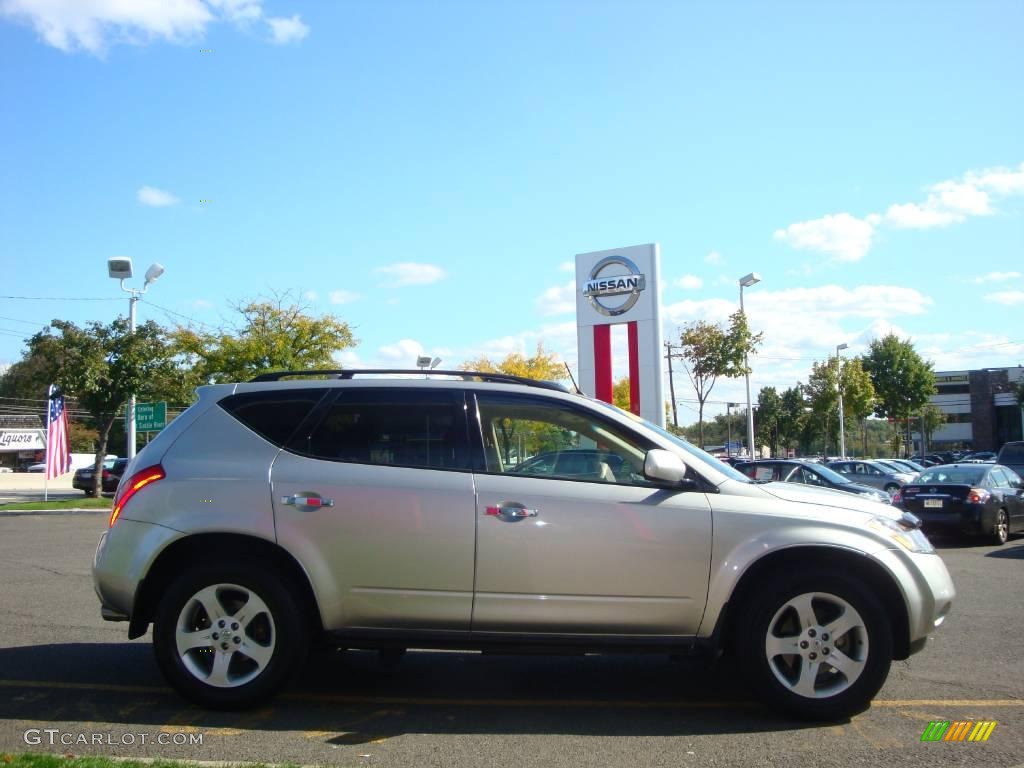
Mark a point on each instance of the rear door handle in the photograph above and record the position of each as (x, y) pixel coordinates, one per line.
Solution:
(510, 512)
(307, 500)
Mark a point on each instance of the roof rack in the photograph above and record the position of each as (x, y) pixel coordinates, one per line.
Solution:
(349, 373)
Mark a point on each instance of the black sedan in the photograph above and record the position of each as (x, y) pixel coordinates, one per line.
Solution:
(112, 471)
(967, 499)
(808, 473)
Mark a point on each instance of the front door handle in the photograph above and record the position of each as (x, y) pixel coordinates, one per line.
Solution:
(510, 512)
(307, 500)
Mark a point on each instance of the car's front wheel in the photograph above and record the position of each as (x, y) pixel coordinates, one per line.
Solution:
(228, 637)
(816, 644)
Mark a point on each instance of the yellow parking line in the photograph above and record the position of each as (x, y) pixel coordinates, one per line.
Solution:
(338, 698)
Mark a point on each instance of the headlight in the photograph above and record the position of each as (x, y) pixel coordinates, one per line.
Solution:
(906, 532)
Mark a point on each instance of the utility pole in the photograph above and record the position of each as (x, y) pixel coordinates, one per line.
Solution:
(671, 383)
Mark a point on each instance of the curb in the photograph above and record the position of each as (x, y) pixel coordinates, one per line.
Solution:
(51, 512)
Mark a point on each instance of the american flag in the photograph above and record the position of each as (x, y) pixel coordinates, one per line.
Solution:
(58, 451)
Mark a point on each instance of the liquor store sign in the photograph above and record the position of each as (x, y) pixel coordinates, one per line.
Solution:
(22, 440)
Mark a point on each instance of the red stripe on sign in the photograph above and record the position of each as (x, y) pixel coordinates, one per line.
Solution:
(603, 362)
(634, 367)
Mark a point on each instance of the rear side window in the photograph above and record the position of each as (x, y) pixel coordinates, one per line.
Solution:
(1012, 453)
(396, 428)
(273, 414)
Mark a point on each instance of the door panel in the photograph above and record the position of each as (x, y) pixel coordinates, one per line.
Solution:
(597, 558)
(387, 546)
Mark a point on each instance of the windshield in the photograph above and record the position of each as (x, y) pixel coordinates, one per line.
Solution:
(965, 475)
(693, 451)
(830, 474)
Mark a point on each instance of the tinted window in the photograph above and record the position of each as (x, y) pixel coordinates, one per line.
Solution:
(273, 414)
(998, 479)
(1012, 453)
(390, 427)
(964, 475)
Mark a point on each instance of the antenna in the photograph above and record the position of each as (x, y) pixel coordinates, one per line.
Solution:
(572, 378)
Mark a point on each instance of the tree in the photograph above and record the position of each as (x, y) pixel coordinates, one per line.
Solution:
(620, 393)
(275, 334)
(543, 366)
(932, 417)
(769, 413)
(858, 393)
(822, 390)
(792, 416)
(101, 366)
(903, 381)
(710, 351)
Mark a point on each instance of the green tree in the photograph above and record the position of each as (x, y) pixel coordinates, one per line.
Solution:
(903, 381)
(792, 415)
(101, 366)
(620, 393)
(858, 393)
(275, 334)
(822, 393)
(710, 352)
(932, 417)
(769, 413)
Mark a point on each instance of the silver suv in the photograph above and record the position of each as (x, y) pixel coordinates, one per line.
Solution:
(482, 511)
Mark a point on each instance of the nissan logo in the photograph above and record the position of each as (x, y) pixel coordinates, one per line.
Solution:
(601, 286)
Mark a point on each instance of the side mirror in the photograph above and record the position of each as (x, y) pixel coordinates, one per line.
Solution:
(664, 467)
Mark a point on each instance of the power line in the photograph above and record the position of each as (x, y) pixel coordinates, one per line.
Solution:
(61, 298)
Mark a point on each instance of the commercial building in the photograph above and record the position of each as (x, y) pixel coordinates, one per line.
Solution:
(981, 408)
(22, 440)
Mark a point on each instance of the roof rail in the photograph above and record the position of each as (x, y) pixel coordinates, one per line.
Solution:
(349, 373)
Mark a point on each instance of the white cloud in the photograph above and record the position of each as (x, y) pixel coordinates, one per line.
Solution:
(156, 197)
(287, 30)
(405, 351)
(997, 277)
(91, 25)
(410, 273)
(845, 237)
(953, 201)
(238, 11)
(202, 304)
(342, 297)
(311, 295)
(713, 257)
(1007, 298)
(567, 266)
(558, 299)
(689, 282)
(94, 25)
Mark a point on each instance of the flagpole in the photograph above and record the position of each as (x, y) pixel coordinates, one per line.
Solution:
(46, 457)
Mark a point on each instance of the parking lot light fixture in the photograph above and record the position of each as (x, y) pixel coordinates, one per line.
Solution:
(745, 282)
(842, 431)
(120, 268)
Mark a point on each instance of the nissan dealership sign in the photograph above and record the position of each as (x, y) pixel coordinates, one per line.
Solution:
(614, 286)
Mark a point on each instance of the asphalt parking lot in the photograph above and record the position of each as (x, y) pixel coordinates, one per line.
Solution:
(67, 677)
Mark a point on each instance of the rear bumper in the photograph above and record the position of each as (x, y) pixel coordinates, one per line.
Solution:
(123, 557)
(969, 521)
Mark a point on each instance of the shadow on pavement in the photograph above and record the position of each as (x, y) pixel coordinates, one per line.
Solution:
(354, 697)
(1010, 551)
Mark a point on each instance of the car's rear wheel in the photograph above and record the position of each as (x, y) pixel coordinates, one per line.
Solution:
(816, 644)
(228, 637)
(891, 488)
(1000, 529)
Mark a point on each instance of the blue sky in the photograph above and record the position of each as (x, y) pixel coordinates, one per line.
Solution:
(426, 171)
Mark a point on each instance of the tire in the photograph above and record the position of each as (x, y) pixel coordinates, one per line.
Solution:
(1000, 529)
(825, 600)
(891, 489)
(262, 649)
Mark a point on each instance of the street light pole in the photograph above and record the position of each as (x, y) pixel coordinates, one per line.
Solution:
(842, 430)
(745, 282)
(120, 268)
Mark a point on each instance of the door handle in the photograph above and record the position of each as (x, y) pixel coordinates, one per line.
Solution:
(307, 500)
(510, 512)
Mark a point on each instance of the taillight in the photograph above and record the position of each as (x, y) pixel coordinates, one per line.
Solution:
(978, 496)
(106, 475)
(897, 497)
(137, 482)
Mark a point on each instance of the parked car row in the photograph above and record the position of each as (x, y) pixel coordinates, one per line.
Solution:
(112, 471)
